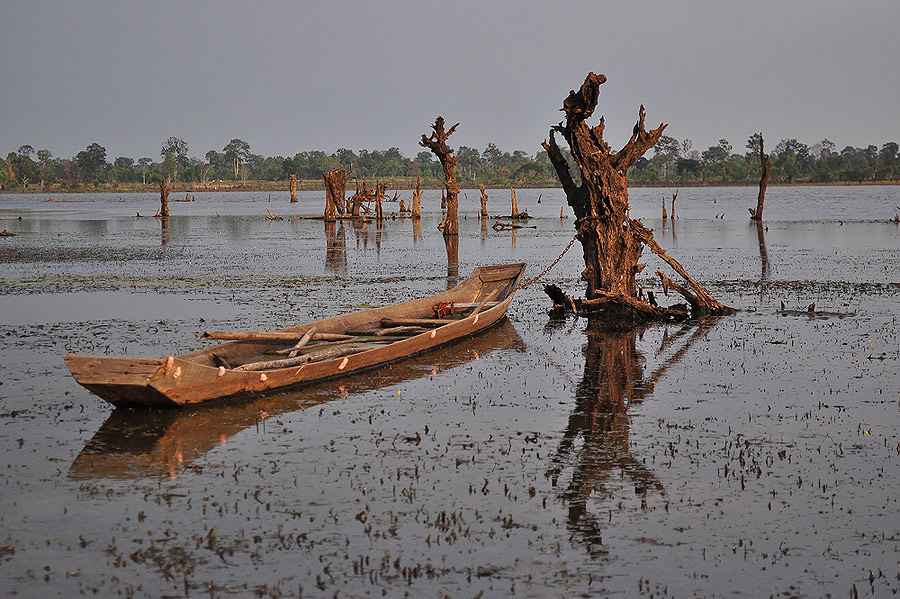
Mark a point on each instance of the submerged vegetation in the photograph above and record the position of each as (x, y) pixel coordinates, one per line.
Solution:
(673, 163)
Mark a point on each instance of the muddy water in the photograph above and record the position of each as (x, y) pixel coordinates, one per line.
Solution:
(752, 456)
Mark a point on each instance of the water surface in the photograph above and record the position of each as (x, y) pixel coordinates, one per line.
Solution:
(754, 455)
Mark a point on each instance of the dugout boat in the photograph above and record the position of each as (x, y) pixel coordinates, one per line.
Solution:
(256, 362)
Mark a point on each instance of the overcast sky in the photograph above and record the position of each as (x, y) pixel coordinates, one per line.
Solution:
(288, 77)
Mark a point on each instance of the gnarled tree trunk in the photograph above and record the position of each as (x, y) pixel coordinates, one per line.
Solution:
(612, 242)
(484, 199)
(437, 143)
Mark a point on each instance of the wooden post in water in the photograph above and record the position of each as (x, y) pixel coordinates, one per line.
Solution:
(163, 198)
(674, 197)
(515, 204)
(484, 198)
(665, 215)
(293, 188)
(417, 200)
(765, 167)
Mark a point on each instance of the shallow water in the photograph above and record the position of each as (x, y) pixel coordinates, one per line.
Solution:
(756, 455)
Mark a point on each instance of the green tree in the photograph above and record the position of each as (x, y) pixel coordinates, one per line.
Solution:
(144, 164)
(469, 161)
(90, 163)
(666, 152)
(237, 151)
(174, 154)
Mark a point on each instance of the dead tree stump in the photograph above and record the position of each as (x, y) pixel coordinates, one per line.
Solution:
(484, 199)
(293, 189)
(417, 200)
(437, 143)
(335, 189)
(380, 189)
(664, 215)
(674, 197)
(765, 167)
(612, 242)
(163, 198)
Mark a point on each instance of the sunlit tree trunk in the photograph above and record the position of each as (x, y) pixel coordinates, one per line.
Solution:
(437, 143)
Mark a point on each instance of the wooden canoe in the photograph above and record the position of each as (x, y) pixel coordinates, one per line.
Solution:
(219, 372)
(134, 444)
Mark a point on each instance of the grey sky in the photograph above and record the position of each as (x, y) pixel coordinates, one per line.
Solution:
(288, 77)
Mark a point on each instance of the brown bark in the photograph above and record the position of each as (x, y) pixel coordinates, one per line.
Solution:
(674, 197)
(417, 199)
(363, 194)
(335, 190)
(451, 242)
(484, 199)
(765, 167)
(437, 143)
(664, 215)
(163, 198)
(612, 242)
(763, 252)
(380, 189)
(704, 298)
(293, 189)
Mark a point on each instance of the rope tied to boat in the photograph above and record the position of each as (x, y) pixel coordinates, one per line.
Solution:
(580, 228)
(442, 309)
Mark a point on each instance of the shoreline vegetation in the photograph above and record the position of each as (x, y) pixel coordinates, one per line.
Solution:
(404, 184)
(673, 164)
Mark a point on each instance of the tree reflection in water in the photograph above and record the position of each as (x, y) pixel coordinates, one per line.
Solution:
(595, 447)
(335, 248)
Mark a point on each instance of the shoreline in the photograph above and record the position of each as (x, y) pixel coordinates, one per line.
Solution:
(398, 185)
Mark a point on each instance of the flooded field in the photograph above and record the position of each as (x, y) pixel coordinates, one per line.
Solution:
(757, 455)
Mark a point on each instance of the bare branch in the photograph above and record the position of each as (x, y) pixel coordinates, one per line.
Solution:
(637, 146)
(560, 164)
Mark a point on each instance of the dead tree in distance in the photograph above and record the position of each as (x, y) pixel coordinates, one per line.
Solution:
(611, 240)
(163, 199)
(335, 190)
(417, 200)
(765, 167)
(437, 143)
(380, 189)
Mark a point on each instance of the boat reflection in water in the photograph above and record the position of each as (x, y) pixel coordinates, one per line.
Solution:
(595, 448)
(142, 443)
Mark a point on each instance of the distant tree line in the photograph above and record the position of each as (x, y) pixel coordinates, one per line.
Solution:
(236, 163)
(673, 162)
(792, 161)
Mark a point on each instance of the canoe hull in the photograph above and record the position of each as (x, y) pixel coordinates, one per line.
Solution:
(194, 378)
